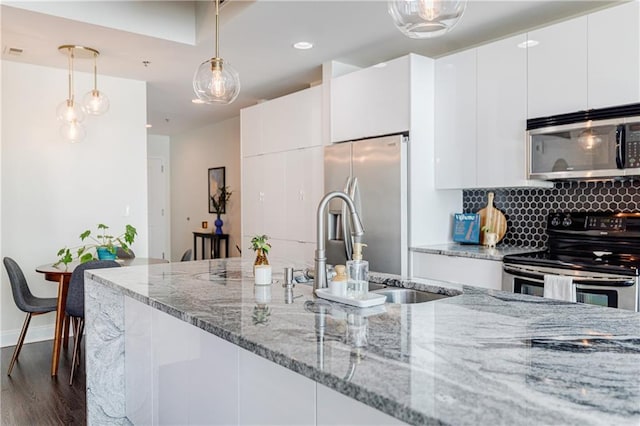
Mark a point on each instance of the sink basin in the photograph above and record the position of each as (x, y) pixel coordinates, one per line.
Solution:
(407, 295)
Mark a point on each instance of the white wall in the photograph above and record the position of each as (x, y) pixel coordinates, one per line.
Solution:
(192, 154)
(52, 190)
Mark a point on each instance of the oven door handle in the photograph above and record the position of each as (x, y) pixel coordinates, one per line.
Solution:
(609, 282)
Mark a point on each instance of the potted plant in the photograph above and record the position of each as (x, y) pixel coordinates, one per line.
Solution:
(259, 244)
(104, 243)
(490, 237)
(219, 201)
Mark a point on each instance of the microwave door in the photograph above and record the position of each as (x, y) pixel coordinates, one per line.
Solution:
(573, 151)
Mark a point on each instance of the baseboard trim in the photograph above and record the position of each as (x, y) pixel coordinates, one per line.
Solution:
(34, 334)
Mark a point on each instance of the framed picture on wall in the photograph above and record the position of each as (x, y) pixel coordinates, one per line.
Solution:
(216, 183)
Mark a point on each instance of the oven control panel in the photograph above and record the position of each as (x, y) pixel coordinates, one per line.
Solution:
(587, 222)
(605, 223)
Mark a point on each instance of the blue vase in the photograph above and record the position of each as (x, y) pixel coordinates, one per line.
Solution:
(105, 254)
(218, 222)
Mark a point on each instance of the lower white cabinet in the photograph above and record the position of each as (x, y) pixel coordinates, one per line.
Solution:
(176, 373)
(461, 270)
(337, 409)
(273, 395)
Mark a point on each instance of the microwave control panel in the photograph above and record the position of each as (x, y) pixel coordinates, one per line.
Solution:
(632, 142)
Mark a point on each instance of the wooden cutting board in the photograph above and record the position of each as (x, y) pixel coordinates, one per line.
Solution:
(492, 217)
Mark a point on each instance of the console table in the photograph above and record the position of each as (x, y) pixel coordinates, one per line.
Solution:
(215, 239)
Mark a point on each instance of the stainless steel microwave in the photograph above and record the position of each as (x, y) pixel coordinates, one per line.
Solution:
(593, 144)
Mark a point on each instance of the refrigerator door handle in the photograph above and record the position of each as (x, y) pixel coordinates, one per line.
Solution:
(346, 227)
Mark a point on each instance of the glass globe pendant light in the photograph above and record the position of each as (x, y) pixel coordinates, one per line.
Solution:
(95, 102)
(215, 80)
(68, 110)
(422, 19)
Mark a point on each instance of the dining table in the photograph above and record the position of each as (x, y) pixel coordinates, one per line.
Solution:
(61, 274)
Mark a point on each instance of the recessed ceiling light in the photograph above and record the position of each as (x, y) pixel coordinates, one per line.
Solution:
(197, 101)
(303, 45)
(380, 65)
(148, 126)
(528, 43)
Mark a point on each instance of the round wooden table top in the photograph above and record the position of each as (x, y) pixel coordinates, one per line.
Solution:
(53, 273)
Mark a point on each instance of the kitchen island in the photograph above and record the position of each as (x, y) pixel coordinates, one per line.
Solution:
(197, 343)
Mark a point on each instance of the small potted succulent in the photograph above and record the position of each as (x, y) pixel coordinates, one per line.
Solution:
(490, 237)
(260, 245)
(105, 245)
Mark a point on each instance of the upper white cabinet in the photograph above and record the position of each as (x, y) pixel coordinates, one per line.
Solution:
(588, 62)
(557, 72)
(287, 121)
(481, 109)
(371, 102)
(456, 126)
(614, 56)
(502, 113)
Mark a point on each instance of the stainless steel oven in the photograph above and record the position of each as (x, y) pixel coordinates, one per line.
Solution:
(600, 251)
(614, 291)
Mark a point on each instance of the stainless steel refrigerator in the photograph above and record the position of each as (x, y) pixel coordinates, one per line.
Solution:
(373, 172)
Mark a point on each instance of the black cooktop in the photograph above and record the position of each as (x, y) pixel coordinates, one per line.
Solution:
(606, 242)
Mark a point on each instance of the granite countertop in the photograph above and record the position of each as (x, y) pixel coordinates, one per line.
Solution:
(474, 251)
(482, 357)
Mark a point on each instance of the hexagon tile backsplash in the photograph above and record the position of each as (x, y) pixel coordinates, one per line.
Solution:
(526, 209)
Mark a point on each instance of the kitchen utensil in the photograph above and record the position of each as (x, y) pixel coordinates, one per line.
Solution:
(493, 219)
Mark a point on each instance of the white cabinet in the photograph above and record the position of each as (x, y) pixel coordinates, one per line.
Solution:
(557, 68)
(251, 130)
(501, 113)
(303, 171)
(614, 56)
(273, 395)
(371, 102)
(454, 269)
(287, 121)
(481, 106)
(337, 409)
(455, 115)
(282, 167)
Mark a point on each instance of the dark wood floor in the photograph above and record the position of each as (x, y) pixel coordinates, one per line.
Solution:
(32, 397)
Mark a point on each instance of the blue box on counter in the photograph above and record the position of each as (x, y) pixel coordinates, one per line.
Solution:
(466, 228)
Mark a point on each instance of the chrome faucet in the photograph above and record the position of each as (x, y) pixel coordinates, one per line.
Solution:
(357, 231)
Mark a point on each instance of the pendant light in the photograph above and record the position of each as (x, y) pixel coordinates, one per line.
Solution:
(215, 81)
(95, 102)
(68, 111)
(426, 18)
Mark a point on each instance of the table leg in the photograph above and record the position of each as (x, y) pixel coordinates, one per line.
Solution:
(195, 252)
(203, 245)
(216, 247)
(62, 298)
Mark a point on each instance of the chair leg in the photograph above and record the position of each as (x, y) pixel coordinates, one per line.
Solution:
(77, 337)
(23, 333)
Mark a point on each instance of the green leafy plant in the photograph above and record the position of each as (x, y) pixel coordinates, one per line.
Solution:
(259, 242)
(102, 238)
(220, 199)
(486, 228)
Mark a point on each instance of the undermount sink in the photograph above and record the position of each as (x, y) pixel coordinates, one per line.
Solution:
(408, 295)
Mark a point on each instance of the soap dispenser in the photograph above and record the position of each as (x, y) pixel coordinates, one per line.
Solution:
(357, 274)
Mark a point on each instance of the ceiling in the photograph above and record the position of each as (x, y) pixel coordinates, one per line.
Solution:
(255, 36)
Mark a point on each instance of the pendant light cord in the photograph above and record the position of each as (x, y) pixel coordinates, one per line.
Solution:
(95, 72)
(217, 29)
(70, 63)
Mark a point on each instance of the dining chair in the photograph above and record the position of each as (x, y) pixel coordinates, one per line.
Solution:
(124, 254)
(26, 302)
(75, 304)
(186, 256)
